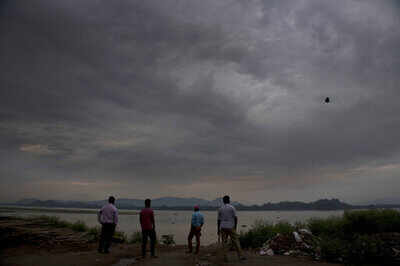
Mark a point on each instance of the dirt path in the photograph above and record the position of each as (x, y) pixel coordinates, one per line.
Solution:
(166, 257)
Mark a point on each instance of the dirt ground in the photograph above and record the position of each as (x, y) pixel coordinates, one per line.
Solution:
(27, 243)
(28, 256)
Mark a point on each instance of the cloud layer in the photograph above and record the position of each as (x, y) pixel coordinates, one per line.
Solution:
(199, 98)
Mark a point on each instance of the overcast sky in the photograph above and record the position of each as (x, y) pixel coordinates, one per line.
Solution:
(200, 99)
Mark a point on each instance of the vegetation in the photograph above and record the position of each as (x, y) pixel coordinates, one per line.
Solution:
(135, 238)
(120, 237)
(168, 240)
(261, 231)
(356, 237)
(79, 226)
(93, 233)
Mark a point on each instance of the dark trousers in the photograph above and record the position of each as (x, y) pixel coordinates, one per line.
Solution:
(194, 231)
(152, 235)
(107, 232)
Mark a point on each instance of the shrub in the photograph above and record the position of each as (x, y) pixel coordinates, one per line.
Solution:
(332, 226)
(371, 221)
(93, 234)
(365, 248)
(333, 249)
(79, 226)
(262, 231)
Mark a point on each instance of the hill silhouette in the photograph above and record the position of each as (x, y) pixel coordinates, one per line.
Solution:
(176, 203)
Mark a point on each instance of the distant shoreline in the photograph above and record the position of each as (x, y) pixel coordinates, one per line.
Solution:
(58, 210)
(123, 211)
(186, 204)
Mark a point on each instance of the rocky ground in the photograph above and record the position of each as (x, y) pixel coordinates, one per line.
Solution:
(25, 242)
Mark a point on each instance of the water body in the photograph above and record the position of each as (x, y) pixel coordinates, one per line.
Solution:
(178, 222)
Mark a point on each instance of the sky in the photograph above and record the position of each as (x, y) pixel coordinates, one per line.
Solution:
(200, 99)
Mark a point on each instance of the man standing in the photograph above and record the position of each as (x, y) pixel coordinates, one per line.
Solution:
(195, 229)
(108, 217)
(148, 228)
(227, 225)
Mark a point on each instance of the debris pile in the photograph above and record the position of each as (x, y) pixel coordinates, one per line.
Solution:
(301, 243)
(390, 245)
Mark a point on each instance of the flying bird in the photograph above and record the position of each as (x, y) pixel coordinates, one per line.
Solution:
(327, 100)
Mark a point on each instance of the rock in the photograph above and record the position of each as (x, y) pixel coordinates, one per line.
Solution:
(270, 252)
(305, 231)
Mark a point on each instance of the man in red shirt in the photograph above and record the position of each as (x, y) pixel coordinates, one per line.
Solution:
(148, 228)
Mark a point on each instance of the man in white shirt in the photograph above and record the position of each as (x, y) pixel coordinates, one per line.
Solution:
(108, 218)
(227, 224)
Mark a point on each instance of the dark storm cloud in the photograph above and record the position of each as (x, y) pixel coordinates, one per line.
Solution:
(176, 92)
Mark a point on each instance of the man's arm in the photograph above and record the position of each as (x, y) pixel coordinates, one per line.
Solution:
(116, 217)
(140, 219)
(218, 222)
(152, 221)
(99, 216)
(236, 222)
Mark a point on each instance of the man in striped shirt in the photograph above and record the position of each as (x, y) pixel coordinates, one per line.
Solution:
(108, 218)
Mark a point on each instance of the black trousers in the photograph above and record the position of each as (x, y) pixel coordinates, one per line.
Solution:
(107, 232)
(194, 231)
(152, 235)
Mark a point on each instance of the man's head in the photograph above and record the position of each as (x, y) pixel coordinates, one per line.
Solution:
(111, 200)
(226, 199)
(196, 208)
(147, 203)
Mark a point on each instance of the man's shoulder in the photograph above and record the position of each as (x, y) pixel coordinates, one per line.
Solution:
(106, 206)
(146, 210)
(230, 206)
(226, 206)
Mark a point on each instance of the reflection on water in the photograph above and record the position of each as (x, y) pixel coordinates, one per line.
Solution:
(178, 222)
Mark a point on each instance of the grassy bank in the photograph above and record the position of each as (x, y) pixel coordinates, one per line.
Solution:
(93, 233)
(357, 237)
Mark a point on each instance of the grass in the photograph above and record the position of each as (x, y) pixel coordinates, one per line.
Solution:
(52, 221)
(353, 237)
(93, 233)
(79, 226)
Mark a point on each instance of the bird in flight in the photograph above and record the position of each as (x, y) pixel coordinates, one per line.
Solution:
(327, 100)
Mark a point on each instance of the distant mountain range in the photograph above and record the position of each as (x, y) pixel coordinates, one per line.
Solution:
(164, 202)
(174, 203)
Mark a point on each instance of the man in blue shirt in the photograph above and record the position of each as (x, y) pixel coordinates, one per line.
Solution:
(195, 229)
